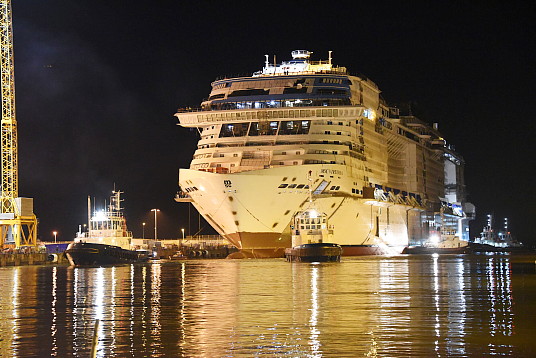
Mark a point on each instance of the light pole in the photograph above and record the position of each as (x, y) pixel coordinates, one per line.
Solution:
(182, 233)
(55, 233)
(143, 230)
(155, 226)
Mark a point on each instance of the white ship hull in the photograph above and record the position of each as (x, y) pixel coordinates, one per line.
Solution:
(254, 214)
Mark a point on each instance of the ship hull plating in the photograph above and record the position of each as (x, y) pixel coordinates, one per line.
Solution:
(254, 212)
(89, 254)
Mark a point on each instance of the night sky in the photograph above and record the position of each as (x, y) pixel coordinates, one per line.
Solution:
(98, 82)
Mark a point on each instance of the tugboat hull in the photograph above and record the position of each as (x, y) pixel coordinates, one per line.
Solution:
(318, 252)
(435, 250)
(89, 254)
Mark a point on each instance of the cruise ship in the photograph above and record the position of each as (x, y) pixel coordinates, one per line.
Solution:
(384, 179)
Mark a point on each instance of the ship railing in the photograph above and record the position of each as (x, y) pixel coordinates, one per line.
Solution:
(282, 113)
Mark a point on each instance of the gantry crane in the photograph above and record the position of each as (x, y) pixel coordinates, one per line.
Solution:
(18, 223)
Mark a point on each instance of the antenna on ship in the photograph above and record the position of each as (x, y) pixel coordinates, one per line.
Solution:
(329, 57)
(266, 62)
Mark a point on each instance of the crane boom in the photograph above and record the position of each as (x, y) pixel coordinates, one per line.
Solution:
(18, 224)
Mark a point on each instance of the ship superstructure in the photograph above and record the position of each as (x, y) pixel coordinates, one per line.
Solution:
(385, 180)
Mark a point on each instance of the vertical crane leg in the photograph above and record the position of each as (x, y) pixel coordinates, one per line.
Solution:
(18, 223)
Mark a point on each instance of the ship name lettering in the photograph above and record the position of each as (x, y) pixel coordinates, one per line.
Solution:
(331, 171)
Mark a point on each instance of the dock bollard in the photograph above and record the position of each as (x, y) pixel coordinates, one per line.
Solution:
(95, 339)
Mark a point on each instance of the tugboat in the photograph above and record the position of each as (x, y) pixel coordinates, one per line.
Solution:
(445, 239)
(492, 240)
(107, 240)
(311, 236)
(440, 244)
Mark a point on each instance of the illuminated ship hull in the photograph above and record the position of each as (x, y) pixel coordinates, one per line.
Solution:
(90, 254)
(386, 181)
(255, 214)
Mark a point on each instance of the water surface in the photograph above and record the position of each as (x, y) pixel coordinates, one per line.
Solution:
(403, 306)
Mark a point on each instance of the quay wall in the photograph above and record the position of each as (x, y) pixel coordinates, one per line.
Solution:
(33, 258)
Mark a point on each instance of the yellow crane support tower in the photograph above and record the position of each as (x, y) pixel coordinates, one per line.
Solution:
(18, 224)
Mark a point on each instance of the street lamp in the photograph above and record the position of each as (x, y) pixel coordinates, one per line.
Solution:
(155, 226)
(55, 233)
(182, 233)
(143, 230)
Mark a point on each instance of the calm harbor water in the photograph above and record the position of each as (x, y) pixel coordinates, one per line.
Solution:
(402, 306)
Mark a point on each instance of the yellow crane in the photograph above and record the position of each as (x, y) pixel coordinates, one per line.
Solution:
(18, 223)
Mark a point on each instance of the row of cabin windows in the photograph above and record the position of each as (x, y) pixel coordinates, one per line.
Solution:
(288, 90)
(311, 227)
(292, 186)
(314, 102)
(264, 128)
(312, 220)
(277, 82)
(285, 113)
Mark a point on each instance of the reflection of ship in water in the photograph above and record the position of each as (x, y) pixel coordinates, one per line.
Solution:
(491, 239)
(221, 308)
(107, 240)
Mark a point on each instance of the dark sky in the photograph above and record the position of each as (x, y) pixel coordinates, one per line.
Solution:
(98, 82)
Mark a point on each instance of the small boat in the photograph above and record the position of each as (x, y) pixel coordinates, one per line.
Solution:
(492, 240)
(107, 240)
(444, 245)
(312, 237)
(440, 244)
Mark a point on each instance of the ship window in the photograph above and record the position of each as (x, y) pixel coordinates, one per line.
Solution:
(216, 96)
(263, 128)
(249, 92)
(300, 186)
(294, 127)
(283, 186)
(292, 90)
(331, 91)
(292, 186)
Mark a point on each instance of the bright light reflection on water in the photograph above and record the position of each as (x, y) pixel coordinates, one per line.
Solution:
(400, 306)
